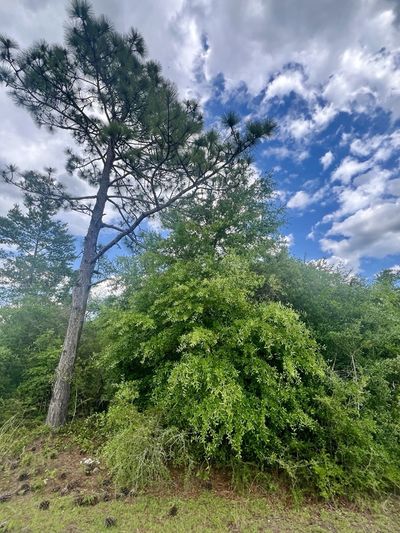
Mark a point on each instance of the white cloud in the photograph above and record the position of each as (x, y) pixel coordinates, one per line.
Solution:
(327, 159)
(365, 80)
(349, 168)
(379, 147)
(302, 199)
(322, 116)
(366, 192)
(393, 187)
(317, 35)
(287, 82)
(367, 189)
(371, 232)
(300, 128)
(299, 200)
(77, 222)
(364, 147)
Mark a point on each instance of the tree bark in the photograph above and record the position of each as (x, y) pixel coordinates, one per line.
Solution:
(58, 408)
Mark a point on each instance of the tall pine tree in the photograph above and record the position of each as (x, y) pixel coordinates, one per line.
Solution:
(139, 147)
(37, 251)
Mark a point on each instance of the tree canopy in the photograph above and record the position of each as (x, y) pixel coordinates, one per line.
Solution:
(38, 252)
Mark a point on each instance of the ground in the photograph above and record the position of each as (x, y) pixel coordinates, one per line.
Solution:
(202, 513)
(48, 489)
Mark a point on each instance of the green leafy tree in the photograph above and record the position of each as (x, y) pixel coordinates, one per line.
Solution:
(37, 251)
(243, 218)
(139, 147)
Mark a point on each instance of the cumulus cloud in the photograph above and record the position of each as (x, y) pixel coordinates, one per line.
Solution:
(380, 146)
(368, 189)
(327, 159)
(349, 168)
(366, 181)
(300, 128)
(323, 116)
(299, 200)
(317, 35)
(366, 80)
(287, 82)
(302, 199)
(371, 232)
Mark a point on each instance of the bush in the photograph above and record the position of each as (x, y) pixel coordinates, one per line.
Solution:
(140, 450)
(354, 322)
(245, 381)
(31, 334)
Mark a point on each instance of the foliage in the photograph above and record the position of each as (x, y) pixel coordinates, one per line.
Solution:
(37, 251)
(353, 322)
(30, 342)
(246, 379)
(38, 374)
(240, 217)
(21, 326)
(140, 147)
(140, 450)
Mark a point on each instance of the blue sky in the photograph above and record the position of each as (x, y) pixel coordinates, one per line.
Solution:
(336, 170)
(327, 71)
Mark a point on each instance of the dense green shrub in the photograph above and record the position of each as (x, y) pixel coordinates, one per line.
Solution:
(31, 334)
(245, 380)
(21, 326)
(354, 322)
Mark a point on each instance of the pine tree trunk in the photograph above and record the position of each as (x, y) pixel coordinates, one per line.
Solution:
(58, 408)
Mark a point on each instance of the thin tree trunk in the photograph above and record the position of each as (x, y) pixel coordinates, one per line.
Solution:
(58, 408)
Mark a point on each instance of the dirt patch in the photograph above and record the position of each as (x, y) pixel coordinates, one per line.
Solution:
(45, 469)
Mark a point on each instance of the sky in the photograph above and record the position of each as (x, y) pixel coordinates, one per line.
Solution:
(328, 73)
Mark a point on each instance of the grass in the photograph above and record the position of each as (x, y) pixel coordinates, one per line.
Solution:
(48, 464)
(204, 512)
